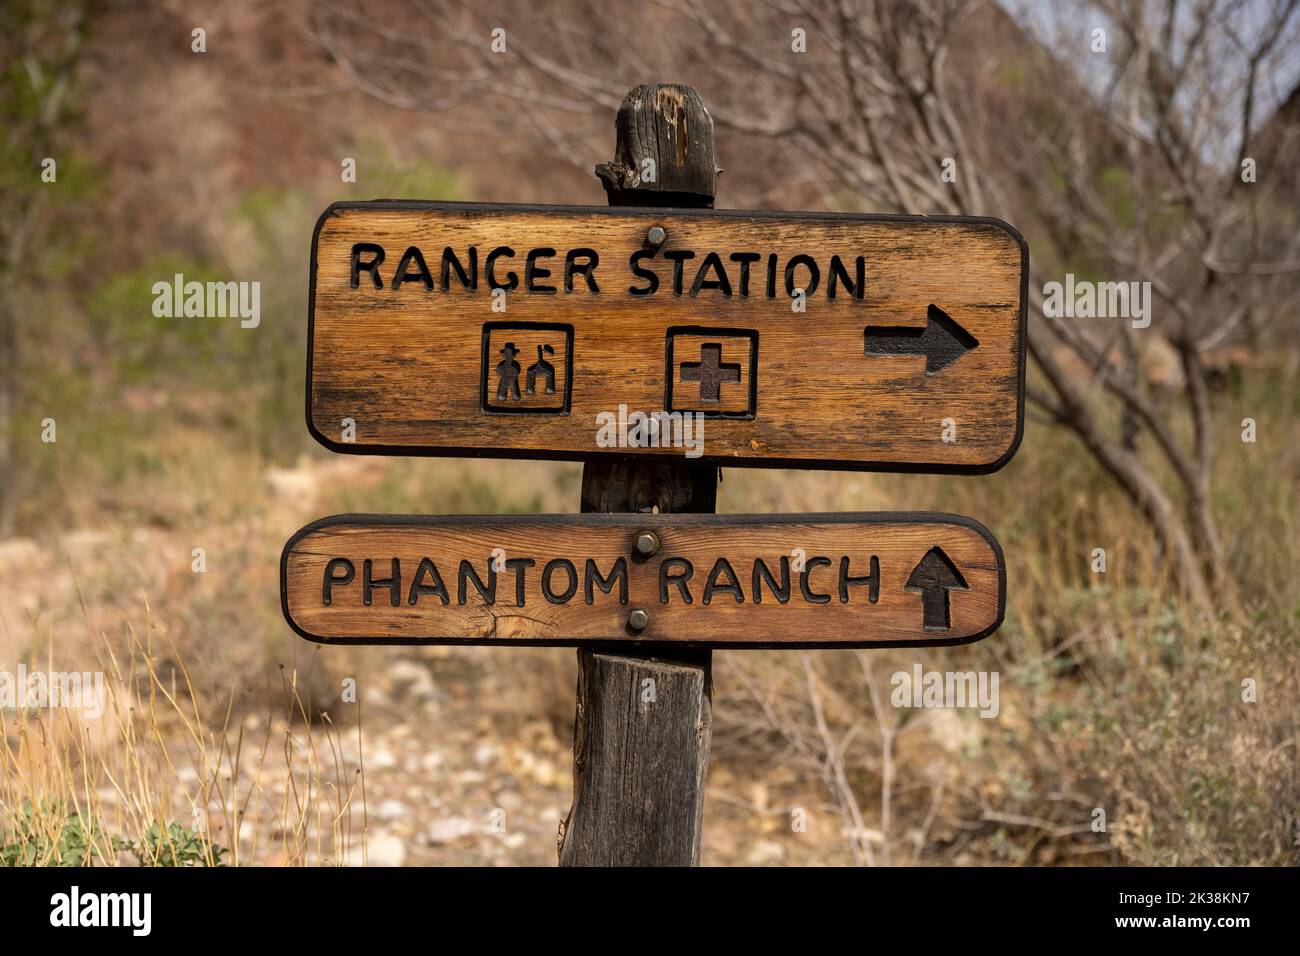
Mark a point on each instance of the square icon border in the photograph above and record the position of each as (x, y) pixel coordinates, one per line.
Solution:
(488, 329)
(670, 369)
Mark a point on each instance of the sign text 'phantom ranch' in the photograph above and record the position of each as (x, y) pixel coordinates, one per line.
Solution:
(741, 580)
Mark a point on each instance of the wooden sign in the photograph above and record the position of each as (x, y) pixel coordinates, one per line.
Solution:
(847, 580)
(741, 338)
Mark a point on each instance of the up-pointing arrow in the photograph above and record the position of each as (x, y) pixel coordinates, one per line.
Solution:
(934, 576)
(942, 341)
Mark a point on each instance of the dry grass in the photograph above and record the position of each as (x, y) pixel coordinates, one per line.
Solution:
(164, 778)
(1113, 696)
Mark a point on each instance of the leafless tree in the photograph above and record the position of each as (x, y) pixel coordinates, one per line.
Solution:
(836, 721)
(1140, 173)
(39, 49)
(1127, 161)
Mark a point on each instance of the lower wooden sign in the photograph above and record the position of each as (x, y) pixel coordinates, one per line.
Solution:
(812, 580)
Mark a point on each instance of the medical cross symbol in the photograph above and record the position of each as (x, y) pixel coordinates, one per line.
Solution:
(710, 371)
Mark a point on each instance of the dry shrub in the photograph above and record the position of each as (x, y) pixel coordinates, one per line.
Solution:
(166, 778)
(1114, 695)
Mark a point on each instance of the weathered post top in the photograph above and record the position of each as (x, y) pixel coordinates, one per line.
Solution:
(663, 154)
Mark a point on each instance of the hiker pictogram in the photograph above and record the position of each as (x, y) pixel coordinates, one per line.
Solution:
(526, 368)
(508, 373)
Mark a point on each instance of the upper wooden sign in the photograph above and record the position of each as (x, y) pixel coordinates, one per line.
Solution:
(744, 338)
(844, 580)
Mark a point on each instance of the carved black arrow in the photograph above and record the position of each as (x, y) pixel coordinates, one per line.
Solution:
(942, 341)
(934, 576)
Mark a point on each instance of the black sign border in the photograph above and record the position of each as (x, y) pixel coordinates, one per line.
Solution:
(670, 370)
(634, 523)
(657, 214)
(488, 329)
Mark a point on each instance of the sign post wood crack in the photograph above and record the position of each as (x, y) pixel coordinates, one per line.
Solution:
(656, 340)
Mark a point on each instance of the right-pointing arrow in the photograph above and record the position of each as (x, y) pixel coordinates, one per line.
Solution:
(934, 576)
(942, 341)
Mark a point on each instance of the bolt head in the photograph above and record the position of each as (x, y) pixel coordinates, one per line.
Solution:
(657, 236)
(638, 619)
(647, 543)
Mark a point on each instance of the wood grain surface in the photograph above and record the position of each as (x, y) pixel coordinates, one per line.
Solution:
(856, 382)
(639, 770)
(920, 597)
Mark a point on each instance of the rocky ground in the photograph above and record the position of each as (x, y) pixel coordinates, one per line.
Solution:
(465, 753)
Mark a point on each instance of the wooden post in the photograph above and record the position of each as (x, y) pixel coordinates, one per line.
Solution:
(641, 739)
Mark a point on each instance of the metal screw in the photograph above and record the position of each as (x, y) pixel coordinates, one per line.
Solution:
(638, 619)
(647, 543)
(656, 237)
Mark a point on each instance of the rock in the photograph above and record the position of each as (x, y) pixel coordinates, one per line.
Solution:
(432, 760)
(77, 544)
(450, 829)
(16, 553)
(413, 677)
(390, 810)
(421, 796)
(299, 485)
(381, 849)
(766, 853)
(545, 773)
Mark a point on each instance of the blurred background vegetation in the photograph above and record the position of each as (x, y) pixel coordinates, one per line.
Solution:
(1119, 690)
